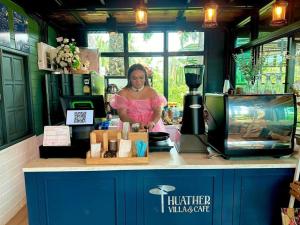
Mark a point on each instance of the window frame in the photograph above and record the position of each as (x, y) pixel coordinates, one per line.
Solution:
(165, 53)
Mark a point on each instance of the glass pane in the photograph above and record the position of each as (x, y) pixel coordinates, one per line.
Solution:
(240, 81)
(273, 71)
(106, 42)
(112, 66)
(176, 81)
(297, 79)
(185, 41)
(120, 83)
(156, 66)
(297, 64)
(242, 34)
(97, 84)
(146, 42)
(241, 41)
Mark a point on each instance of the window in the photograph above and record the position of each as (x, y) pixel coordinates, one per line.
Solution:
(274, 66)
(241, 41)
(165, 62)
(112, 66)
(271, 75)
(176, 78)
(185, 41)
(106, 42)
(156, 66)
(297, 76)
(145, 42)
(240, 81)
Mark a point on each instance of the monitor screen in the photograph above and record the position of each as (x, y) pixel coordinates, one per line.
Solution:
(95, 102)
(80, 117)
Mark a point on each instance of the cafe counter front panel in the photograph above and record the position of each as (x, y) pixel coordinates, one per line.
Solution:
(159, 195)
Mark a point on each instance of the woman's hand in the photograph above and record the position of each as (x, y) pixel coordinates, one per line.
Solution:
(151, 125)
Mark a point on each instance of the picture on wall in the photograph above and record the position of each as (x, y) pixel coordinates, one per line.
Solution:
(21, 32)
(4, 27)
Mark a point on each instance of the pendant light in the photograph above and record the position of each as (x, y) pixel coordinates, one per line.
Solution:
(111, 24)
(141, 17)
(180, 24)
(210, 15)
(278, 13)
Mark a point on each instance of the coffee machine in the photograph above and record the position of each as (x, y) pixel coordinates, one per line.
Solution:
(192, 138)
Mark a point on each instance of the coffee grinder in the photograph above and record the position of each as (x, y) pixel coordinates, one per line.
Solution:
(192, 131)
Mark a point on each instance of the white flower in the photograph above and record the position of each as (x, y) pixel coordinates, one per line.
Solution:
(59, 39)
(63, 64)
(67, 55)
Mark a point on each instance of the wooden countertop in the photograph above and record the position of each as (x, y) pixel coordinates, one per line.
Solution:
(166, 160)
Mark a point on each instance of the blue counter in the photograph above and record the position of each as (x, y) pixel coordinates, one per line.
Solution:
(186, 189)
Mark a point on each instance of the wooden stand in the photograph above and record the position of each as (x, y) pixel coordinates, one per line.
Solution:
(104, 136)
(295, 190)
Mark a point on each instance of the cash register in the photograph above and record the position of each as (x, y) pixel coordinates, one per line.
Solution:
(81, 114)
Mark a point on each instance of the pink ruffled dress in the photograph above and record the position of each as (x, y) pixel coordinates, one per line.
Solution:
(140, 111)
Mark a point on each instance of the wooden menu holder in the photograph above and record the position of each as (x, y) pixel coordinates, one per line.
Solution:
(104, 136)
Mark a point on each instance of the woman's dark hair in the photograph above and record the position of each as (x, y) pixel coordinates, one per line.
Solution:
(132, 68)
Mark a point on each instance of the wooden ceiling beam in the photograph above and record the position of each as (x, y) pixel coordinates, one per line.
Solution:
(48, 8)
(114, 5)
(78, 18)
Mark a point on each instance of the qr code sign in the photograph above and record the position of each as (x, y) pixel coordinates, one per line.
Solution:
(79, 117)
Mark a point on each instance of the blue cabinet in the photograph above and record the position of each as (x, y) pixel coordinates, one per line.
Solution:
(259, 195)
(75, 198)
(179, 197)
(158, 197)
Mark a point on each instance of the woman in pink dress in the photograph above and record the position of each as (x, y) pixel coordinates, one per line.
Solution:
(138, 102)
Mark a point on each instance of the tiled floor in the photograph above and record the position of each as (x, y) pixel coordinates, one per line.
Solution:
(20, 218)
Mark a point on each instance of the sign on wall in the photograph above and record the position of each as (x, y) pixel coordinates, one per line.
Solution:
(4, 27)
(21, 32)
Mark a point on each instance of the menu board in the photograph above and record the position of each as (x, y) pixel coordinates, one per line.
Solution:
(4, 27)
(56, 136)
(21, 32)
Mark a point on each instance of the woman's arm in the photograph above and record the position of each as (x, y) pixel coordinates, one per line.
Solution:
(124, 116)
(155, 118)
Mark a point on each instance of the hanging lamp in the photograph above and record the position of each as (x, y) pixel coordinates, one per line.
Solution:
(210, 15)
(111, 23)
(180, 24)
(141, 15)
(278, 13)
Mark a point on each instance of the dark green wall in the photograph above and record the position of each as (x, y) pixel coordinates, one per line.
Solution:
(52, 37)
(215, 60)
(36, 76)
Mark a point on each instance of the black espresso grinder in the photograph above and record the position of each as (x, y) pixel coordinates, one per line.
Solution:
(193, 127)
